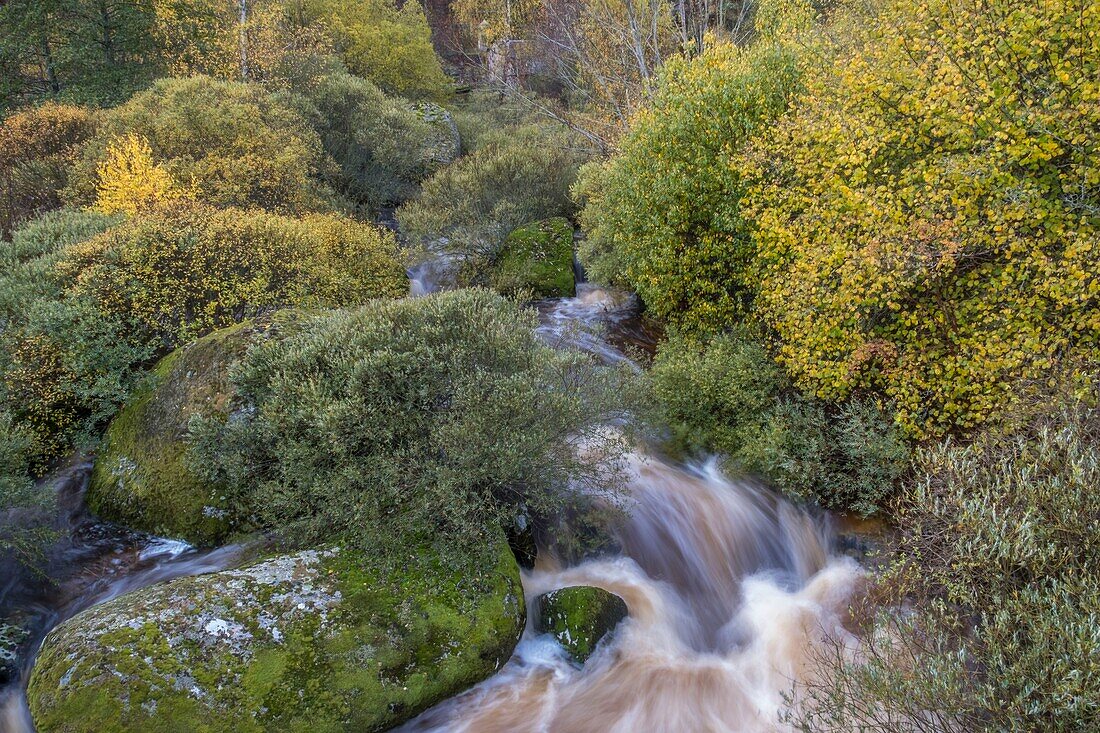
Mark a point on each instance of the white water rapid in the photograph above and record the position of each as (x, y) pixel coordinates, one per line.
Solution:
(730, 590)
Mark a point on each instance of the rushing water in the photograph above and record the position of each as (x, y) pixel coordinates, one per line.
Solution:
(729, 587)
(94, 562)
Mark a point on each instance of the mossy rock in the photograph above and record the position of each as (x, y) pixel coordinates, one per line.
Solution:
(141, 477)
(537, 258)
(446, 146)
(579, 617)
(318, 641)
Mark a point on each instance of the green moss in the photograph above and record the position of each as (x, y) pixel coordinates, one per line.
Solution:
(141, 478)
(358, 645)
(537, 258)
(579, 617)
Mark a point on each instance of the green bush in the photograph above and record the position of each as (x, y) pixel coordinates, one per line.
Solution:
(228, 143)
(847, 457)
(663, 215)
(728, 396)
(63, 365)
(389, 44)
(996, 588)
(362, 422)
(715, 396)
(184, 272)
(482, 116)
(85, 315)
(66, 369)
(27, 263)
(383, 146)
(518, 177)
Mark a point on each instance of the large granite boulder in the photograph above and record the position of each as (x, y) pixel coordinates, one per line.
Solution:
(142, 478)
(316, 641)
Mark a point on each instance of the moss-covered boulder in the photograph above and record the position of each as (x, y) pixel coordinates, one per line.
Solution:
(579, 617)
(537, 258)
(141, 476)
(313, 641)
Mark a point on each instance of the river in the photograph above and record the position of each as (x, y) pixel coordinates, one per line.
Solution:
(730, 588)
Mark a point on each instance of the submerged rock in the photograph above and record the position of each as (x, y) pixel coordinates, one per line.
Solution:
(13, 639)
(579, 617)
(316, 640)
(141, 477)
(537, 258)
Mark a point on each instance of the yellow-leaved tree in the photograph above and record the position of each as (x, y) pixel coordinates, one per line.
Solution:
(927, 220)
(130, 180)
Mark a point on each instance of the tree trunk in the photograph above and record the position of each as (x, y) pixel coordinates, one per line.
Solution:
(243, 6)
(107, 38)
(50, 71)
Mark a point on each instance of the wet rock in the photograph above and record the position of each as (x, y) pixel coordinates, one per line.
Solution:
(579, 617)
(521, 538)
(537, 258)
(13, 638)
(317, 640)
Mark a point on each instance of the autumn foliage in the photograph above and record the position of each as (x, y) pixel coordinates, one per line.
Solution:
(37, 146)
(921, 223)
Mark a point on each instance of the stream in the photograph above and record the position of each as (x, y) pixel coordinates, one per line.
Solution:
(729, 587)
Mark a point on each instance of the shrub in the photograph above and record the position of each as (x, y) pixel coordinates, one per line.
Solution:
(49, 234)
(59, 362)
(997, 572)
(847, 457)
(383, 146)
(391, 46)
(728, 396)
(715, 396)
(130, 180)
(663, 216)
(37, 146)
(483, 115)
(362, 423)
(234, 144)
(927, 220)
(28, 270)
(84, 317)
(183, 272)
(523, 175)
(65, 370)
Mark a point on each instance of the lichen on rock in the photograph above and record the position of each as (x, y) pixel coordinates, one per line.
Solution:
(317, 640)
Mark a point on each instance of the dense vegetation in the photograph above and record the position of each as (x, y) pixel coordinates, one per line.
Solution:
(361, 420)
(996, 562)
(869, 228)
